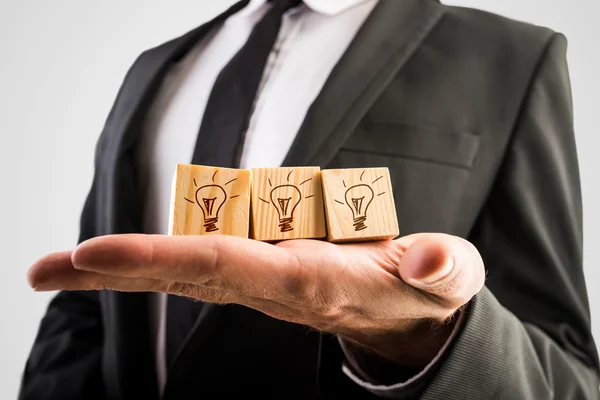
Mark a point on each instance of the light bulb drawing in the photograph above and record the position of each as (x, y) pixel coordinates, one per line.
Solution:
(285, 199)
(211, 199)
(358, 198)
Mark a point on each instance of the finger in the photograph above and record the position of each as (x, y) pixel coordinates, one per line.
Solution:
(447, 267)
(235, 264)
(56, 272)
(47, 267)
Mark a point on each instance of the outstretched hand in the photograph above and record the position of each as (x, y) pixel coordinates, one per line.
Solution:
(390, 297)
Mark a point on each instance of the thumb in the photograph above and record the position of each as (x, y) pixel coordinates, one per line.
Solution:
(447, 267)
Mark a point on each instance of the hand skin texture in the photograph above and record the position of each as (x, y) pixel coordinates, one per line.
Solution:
(395, 298)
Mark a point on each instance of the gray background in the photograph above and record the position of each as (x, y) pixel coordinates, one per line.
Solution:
(61, 64)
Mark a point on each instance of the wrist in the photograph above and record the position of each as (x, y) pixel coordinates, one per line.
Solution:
(410, 344)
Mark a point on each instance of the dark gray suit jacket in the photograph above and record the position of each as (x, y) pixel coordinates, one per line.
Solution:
(472, 114)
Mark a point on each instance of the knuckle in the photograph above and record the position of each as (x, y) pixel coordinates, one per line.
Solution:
(393, 252)
(387, 254)
(177, 288)
(194, 291)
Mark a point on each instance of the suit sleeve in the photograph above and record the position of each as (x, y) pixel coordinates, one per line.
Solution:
(65, 360)
(527, 335)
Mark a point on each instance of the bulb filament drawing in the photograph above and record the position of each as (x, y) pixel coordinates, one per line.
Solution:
(358, 198)
(207, 197)
(210, 199)
(285, 199)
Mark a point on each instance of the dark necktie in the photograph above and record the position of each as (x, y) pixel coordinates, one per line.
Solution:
(229, 106)
(220, 139)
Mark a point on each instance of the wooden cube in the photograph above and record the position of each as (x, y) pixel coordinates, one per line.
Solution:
(287, 203)
(210, 200)
(359, 205)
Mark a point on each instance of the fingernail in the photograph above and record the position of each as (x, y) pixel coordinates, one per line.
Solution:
(441, 273)
(43, 288)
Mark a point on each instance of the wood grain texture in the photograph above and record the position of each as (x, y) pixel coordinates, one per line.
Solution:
(209, 200)
(287, 203)
(359, 205)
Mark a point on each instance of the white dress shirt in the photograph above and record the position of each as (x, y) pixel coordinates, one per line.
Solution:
(312, 39)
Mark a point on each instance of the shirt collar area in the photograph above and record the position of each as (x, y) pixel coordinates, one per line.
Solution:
(333, 7)
(326, 7)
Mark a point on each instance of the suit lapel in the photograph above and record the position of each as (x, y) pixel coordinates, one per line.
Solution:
(382, 46)
(129, 365)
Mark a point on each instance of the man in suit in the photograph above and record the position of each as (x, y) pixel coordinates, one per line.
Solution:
(472, 114)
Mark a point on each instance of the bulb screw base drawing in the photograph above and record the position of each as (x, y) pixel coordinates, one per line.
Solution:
(285, 224)
(210, 224)
(359, 223)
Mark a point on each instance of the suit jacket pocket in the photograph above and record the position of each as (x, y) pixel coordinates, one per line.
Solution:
(426, 144)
